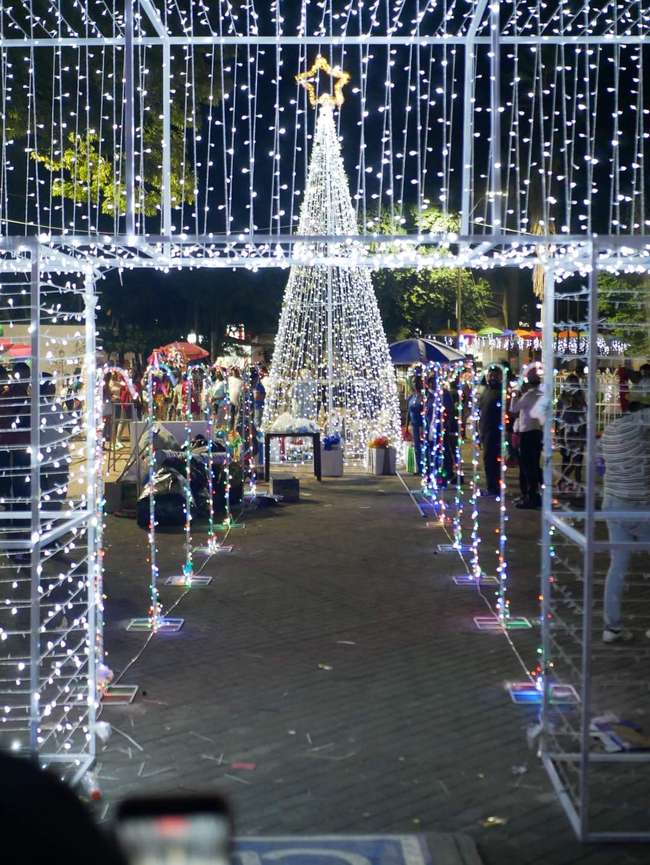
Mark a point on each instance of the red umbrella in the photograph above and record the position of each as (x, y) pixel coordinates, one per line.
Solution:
(20, 349)
(188, 350)
(14, 349)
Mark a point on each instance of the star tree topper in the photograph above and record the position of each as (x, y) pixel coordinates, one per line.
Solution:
(310, 75)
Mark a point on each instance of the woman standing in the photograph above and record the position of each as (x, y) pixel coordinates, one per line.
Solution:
(234, 395)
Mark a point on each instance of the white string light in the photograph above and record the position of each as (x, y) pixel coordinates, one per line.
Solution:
(330, 344)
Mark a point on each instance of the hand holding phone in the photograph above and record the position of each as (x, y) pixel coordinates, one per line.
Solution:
(188, 830)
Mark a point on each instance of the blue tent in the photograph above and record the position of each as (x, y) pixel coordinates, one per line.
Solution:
(409, 351)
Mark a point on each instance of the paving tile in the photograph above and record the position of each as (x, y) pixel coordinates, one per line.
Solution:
(410, 730)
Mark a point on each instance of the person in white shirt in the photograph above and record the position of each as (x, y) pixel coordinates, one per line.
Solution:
(234, 395)
(625, 447)
(218, 397)
(530, 439)
(265, 378)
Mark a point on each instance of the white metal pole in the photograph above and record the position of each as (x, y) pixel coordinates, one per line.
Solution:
(468, 140)
(548, 360)
(161, 30)
(35, 494)
(588, 553)
(95, 621)
(154, 611)
(166, 217)
(495, 117)
(470, 42)
(129, 117)
(502, 568)
(188, 566)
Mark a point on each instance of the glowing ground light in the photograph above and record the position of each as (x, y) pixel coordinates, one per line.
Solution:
(155, 621)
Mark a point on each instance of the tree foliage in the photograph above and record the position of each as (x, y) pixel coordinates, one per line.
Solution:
(428, 302)
(87, 165)
(624, 308)
(422, 301)
(148, 308)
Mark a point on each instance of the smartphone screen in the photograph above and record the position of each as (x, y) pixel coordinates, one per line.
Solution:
(174, 832)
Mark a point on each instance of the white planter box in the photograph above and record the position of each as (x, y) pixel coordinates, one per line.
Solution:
(331, 463)
(381, 461)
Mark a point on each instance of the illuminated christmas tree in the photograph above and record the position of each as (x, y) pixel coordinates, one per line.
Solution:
(331, 362)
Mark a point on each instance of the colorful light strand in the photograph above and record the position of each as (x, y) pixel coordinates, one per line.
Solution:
(475, 488)
(248, 432)
(459, 508)
(503, 602)
(213, 544)
(155, 607)
(188, 565)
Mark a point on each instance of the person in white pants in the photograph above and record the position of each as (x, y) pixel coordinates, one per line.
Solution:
(625, 447)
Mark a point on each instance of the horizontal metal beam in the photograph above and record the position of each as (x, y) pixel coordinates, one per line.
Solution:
(568, 531)
(597, 757)
(600, 241)
(239, 238)
(324, 41)
(637, 516)
(75, 253)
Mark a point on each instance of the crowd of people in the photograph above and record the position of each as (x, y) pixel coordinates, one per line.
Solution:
(513, 431)
(438, 411)
(58, 421)
(182, 393)
(519, 427)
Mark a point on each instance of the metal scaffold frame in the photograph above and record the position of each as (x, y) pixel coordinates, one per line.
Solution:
(485, 38)
(583, 774)
(482, 36)
(48, 531)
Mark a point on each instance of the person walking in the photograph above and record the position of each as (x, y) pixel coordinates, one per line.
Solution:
(414, 419)
(107, 411)
(127, 411)
(54, 466)
(625, 447)
(218, 397)
(490, 429)
(525, 406)
(571, 433)
(259, 396)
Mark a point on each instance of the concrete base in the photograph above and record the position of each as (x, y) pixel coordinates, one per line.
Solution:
(286, 486)
(120, 496)
(331, 463)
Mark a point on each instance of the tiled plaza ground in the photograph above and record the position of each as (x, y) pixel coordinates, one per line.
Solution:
(331, 680)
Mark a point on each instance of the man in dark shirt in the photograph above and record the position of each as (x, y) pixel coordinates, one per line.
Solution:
(414, 411)
(14, 442)
(490, 423)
